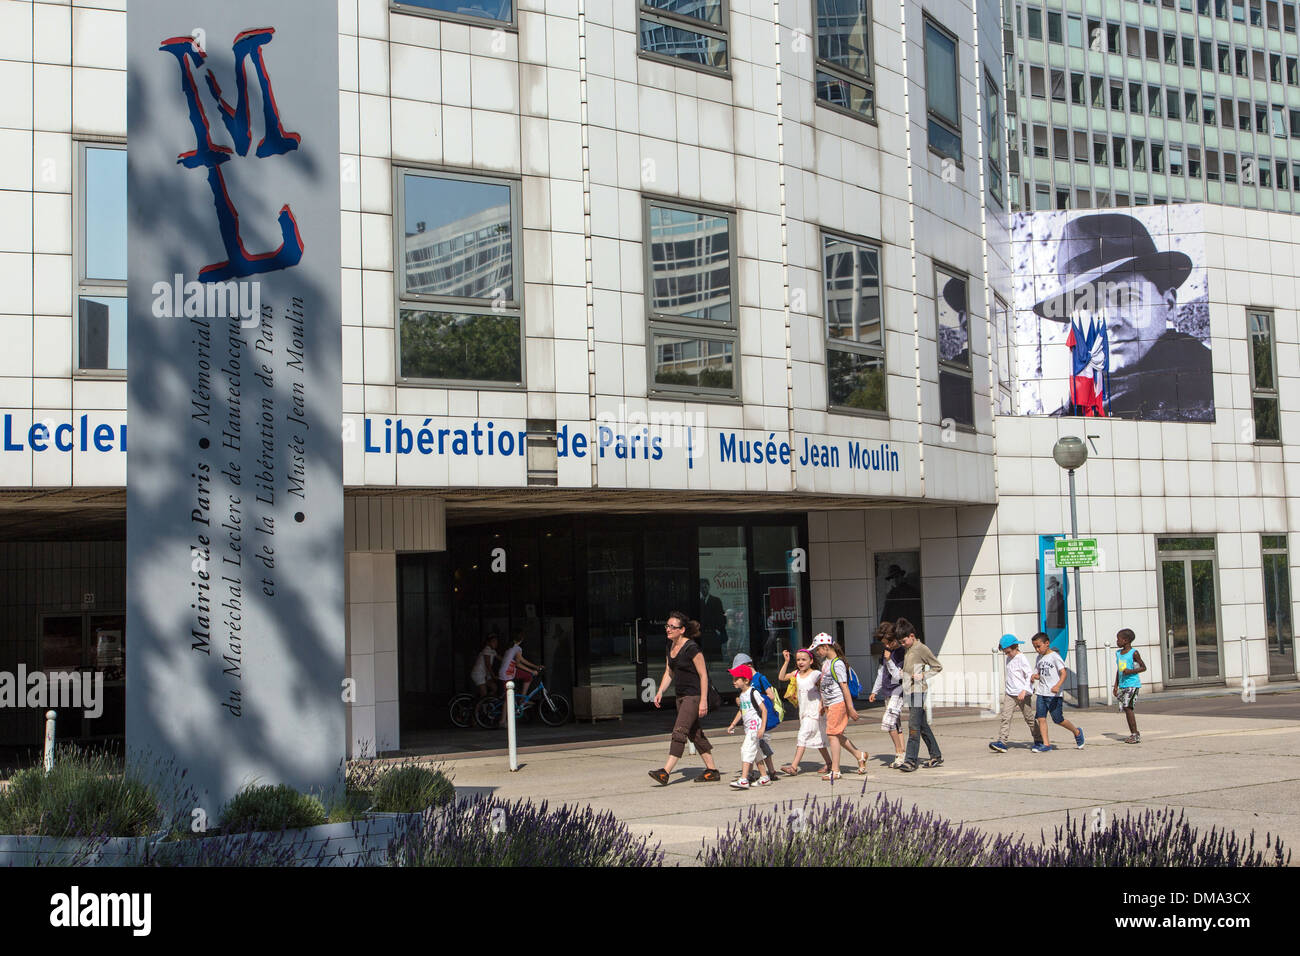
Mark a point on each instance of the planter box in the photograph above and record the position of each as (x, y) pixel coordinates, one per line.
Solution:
(598, 702)
(63, 851)
(363, 842)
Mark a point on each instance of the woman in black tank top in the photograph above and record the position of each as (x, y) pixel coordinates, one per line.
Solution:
(685, 668)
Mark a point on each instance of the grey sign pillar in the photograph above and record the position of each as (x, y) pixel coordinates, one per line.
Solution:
(235, 637)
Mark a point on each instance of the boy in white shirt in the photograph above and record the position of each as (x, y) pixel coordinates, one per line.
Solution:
(1051, 671)
(1019, 696)
(753, 711)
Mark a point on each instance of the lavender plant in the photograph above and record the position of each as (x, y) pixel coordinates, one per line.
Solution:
(484, 831)
(1154, 838)
(845, 832)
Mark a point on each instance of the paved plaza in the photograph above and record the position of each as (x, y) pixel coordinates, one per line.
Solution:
(1223, 768)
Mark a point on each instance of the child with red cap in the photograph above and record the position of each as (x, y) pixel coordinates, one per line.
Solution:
(753, 711)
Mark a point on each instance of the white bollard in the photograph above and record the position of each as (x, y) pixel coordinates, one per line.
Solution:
(50, 715)
(510, 725)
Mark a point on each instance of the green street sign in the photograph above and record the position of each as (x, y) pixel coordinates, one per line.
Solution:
(1076, 552)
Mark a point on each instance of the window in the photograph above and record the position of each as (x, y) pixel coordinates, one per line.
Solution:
(1212, 165)
(1225, 58)
(690, 262)
(1280, 167)
(1175, 160)
(1261, 119)
(1117, 148)
(1229, 168)
(1094, 36)
(1248, 170)
(1189, 107)
(1193, 162)
(1061, 144)
(1074, 31)
(1293, 71)
(501, 11)
(1058, 85)
(1273, 22)
(1100, 154)
(1189, 51)
(1240, 60)
(1112, 37)
(692, 31)
(1043, 195)
(1037, 88)
(1171, 49)
(1005, 349)
(844, 56)
(1172, 104)
(1155, 101)
(1265, 172)
(1275, 67)
(1034, 22)
(1139, 155)
(459, 279)
(1277, 606)
(1116, 95)
(1135, 99)
(1157, 158)
(1203, 7)
(956, 400)
(101, 259)
(1295, 122)
(1207, 110)
(993, 133)
(1076, 89)
(1040, 141)
(1081, 147)
(1263, 378)
(1295, 177)
(855, 343)
(1243, 116)
(1053, 27)
(941, 93)
(1288, 17)
(1207, 55)
(1256, 14)
(1152, 44)
(1098, 93)
(1277, 121)
(1239, 11)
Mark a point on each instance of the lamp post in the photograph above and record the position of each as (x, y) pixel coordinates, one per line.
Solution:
(1070, 453)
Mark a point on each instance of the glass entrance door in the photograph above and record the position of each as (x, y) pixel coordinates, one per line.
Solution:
(614, 636)
(1189, 617)
(92, 646)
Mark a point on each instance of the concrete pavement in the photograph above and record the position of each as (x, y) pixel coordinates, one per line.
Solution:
(1237, 772)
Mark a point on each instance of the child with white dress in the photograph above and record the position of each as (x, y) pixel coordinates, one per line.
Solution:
(812, 717)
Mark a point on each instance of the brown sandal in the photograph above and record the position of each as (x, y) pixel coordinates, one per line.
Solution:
(790, 770)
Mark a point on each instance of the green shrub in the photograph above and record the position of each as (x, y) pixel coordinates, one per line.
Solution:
(412, 789)
(86, 795)
(271, 808)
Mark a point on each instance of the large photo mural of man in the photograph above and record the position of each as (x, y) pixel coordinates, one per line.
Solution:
(1112, 314)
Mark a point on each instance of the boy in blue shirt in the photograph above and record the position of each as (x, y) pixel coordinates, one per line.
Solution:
(1128, 665)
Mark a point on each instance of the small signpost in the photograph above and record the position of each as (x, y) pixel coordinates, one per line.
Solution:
(1076, 552)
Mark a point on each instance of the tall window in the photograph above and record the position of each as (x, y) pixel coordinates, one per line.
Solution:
(499, 10)
(1005, 351)
(941, 94)
(459, 279)
(1034, 22)
(691, 307)
(693, 31)
(993, 132)
(855, 341)
(1263, 376)
(844, 56)
(955, 399)
(1277, 606)
(101, 259)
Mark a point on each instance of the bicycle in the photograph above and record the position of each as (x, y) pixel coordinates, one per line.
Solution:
(461, 710)
(554, 709)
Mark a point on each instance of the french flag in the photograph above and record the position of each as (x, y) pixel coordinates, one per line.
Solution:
(1090, 362)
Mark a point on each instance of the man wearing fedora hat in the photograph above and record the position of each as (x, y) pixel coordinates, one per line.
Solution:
(1120, 296)
(902, 599)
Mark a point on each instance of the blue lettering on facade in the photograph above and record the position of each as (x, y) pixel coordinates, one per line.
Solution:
(63, 437)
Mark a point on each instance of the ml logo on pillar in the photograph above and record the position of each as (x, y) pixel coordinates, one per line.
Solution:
(218, 293)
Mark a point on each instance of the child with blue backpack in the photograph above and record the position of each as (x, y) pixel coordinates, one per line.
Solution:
(773, 710)
(837, 699)
(752, 707)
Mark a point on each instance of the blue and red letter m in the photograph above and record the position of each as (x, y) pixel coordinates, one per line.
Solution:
(248, 46)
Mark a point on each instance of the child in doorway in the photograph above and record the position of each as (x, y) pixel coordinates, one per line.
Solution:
(889, 684)
(753, 710)
(812, 719)
(1050, 677)
(1018, 696)
(834, 687)
(1128, 665)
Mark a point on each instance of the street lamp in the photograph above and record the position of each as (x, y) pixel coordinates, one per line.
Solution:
(1070, 453)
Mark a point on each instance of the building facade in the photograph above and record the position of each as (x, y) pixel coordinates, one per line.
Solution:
(704, 306)
(1133, 103)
